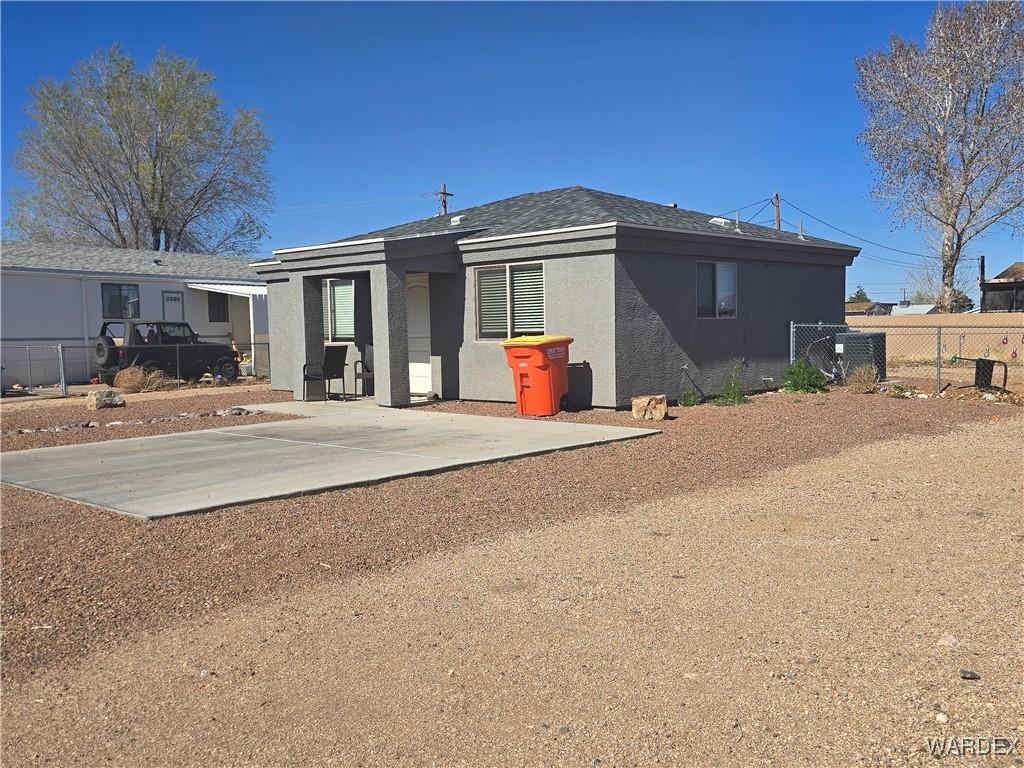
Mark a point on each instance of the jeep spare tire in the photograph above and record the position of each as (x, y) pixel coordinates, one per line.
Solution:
(227, 369)
(104, 352)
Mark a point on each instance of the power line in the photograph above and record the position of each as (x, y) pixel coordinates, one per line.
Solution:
(872, 242)
(767, 203)
(857, 237)
(751, 205)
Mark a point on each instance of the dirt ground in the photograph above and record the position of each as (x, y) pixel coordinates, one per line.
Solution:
(683, 602)
(142, 406)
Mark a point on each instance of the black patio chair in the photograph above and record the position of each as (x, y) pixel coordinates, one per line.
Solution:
(363, 372)
(332, 367)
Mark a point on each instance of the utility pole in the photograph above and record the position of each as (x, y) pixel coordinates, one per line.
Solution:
(778, 211)
(443, 196)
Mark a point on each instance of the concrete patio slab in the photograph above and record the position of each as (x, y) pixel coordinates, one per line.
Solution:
(337, 445)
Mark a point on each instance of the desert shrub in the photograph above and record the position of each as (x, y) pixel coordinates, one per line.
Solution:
(732, 390)
(690, 397)
(138, 379)
(862, 378)
(801, 376)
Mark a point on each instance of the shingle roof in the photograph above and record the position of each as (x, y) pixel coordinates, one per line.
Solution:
(67, 257)
(577, 207)
(1013, 272)
(858, 306)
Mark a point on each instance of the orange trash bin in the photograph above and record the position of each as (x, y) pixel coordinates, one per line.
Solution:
(539, 372)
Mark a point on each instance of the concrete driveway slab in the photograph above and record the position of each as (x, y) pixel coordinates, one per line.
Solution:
(337, 445)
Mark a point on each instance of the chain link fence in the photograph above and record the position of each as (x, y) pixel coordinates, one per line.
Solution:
(925, 356)
(51, 369)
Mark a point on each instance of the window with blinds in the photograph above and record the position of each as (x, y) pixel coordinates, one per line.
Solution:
(339, 310)
(527, 299)
(509, 300)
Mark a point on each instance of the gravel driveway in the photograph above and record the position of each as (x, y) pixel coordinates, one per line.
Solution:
(811, 614)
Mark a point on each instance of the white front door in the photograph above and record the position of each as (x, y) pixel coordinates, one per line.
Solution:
(174, 306)
(417, 290)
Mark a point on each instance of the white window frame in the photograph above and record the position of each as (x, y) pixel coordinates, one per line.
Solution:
(329, 337)
(508, 295)
(696, 291)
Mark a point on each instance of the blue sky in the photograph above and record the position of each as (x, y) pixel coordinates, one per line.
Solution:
(371, 106)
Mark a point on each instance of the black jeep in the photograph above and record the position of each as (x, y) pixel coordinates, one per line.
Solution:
(172, 348)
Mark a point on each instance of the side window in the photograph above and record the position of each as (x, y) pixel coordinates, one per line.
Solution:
(217, 307)
(176, 333)
(509, 301)
(716, 289)
(527, 311)
(339, 310)
(120, 301)
(492, 303)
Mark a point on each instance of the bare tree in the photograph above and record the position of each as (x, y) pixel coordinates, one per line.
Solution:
(141, 159)
(925, 283)
(945, 127)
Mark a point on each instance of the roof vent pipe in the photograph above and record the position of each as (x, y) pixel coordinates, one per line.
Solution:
(738, 221)
(456, 220)
(801, 235)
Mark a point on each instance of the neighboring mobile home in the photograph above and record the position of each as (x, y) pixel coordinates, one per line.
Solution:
(61, 294)
(654, 296)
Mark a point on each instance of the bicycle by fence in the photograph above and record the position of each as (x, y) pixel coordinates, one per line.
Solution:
(940, 355)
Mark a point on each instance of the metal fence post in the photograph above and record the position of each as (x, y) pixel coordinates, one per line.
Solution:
(60, 370)
(177, 365)
(792, 342)
(28, 359)
(938, 360)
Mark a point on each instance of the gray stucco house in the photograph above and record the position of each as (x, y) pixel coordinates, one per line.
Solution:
(645, 290)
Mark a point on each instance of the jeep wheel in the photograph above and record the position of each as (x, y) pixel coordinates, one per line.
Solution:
(227, 369)
(104, 352)
(151, 365)
(107, 378)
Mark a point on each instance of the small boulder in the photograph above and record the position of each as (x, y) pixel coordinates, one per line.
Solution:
(103, 398)
(650, 407)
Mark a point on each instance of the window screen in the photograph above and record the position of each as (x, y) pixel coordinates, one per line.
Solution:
(492, 302)
(120, 301)
(217, 307)
(339, 310)
(343, 304)
(527, 299)
(725, 290)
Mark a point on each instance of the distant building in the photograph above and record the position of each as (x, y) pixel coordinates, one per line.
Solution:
(868, 308)
(1005, 291)
(915, 309)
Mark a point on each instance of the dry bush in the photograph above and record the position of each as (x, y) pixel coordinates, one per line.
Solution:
(138, 379)
(862, 378)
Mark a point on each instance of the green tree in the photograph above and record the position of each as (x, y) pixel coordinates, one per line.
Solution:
(945, 127)
(144, 159)
(859, 295)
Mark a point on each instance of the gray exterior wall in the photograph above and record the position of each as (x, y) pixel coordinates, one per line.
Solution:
(658, 332)
(625, 293)
(578, 302)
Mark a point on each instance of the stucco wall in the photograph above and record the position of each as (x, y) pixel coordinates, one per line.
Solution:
(658, 332)
(286, 355)
(578, 302)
